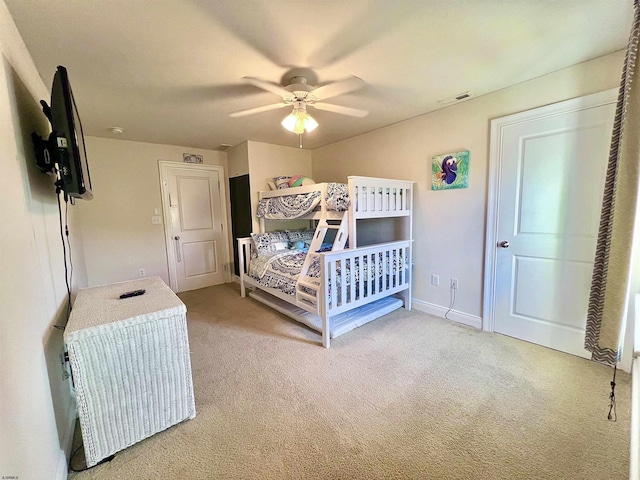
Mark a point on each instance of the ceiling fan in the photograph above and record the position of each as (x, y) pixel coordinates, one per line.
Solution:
(301, 95)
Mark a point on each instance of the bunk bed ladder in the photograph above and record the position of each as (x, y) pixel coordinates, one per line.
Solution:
(306, 299)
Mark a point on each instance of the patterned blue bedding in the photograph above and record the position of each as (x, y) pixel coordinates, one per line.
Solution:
(289, 207)
(281, 269)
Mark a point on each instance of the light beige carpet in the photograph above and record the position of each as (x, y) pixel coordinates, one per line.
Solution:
(406, 396)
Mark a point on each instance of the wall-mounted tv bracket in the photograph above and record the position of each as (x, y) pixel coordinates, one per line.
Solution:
(51, 154)
(42, 148)
(51, 158)
(44, 161)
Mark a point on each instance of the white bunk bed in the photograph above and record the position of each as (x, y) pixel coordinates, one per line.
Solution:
(348, 286)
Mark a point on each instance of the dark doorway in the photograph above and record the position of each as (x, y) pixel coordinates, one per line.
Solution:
(240, 213)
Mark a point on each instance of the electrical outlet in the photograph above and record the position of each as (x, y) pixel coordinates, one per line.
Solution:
(156, 220)
(435, 279)
(454, 283)
(141, 272)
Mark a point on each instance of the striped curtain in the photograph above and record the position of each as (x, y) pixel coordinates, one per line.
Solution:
(611, 272)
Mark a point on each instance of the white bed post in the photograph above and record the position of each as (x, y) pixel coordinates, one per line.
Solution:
(323, 199)
(322, 301)
(352, 213)
(407, 293)
(261, 219)
(243, 243)
(408, 233)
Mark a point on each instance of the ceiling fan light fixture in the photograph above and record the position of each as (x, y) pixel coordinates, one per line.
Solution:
(289, 122)
(299, 94)
(299, 120)
(310, 123)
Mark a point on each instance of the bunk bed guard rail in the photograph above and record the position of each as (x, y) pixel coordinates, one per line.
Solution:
(375, 272)
(379, 198)
(375, 197)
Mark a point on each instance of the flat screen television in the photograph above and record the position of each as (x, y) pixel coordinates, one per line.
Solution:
(64, 151)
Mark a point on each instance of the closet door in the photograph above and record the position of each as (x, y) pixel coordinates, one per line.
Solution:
(553, 163)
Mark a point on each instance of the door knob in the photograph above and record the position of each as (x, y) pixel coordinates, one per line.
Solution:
(504, 244)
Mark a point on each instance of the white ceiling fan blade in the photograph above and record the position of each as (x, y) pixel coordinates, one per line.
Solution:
(338, 88)
(352, 112)
(265, 108)
(268, 86)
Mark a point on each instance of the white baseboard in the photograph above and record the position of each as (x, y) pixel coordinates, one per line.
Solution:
(454, 315)
(62, 471)
(67, 440)
(634, 467)
(72, 415)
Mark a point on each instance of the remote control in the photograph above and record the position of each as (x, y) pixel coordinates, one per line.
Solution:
(134, 293)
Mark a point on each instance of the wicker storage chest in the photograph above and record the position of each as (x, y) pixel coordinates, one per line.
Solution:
(130, 364)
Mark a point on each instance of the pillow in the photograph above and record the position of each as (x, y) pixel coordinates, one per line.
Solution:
(279, 246)
(299, 180)
(281, 182)
(267, 242)
(304, 235)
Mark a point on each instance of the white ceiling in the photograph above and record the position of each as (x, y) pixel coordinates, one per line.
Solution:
(169, 71)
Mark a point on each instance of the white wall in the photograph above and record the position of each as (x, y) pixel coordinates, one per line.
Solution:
(118, 234)
(267, 161)
(449, 226)
(238, 160)
(36, 410)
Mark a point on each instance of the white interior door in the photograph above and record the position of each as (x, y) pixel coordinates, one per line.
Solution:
(550, 183)
(195, 223)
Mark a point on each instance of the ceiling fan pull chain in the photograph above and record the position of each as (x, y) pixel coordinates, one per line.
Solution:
(300, 136)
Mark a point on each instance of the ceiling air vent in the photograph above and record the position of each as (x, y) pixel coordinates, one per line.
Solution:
(457, 98)
(223, 147)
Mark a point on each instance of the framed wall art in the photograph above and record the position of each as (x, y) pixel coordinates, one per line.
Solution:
(450, 170)
(191, 158)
